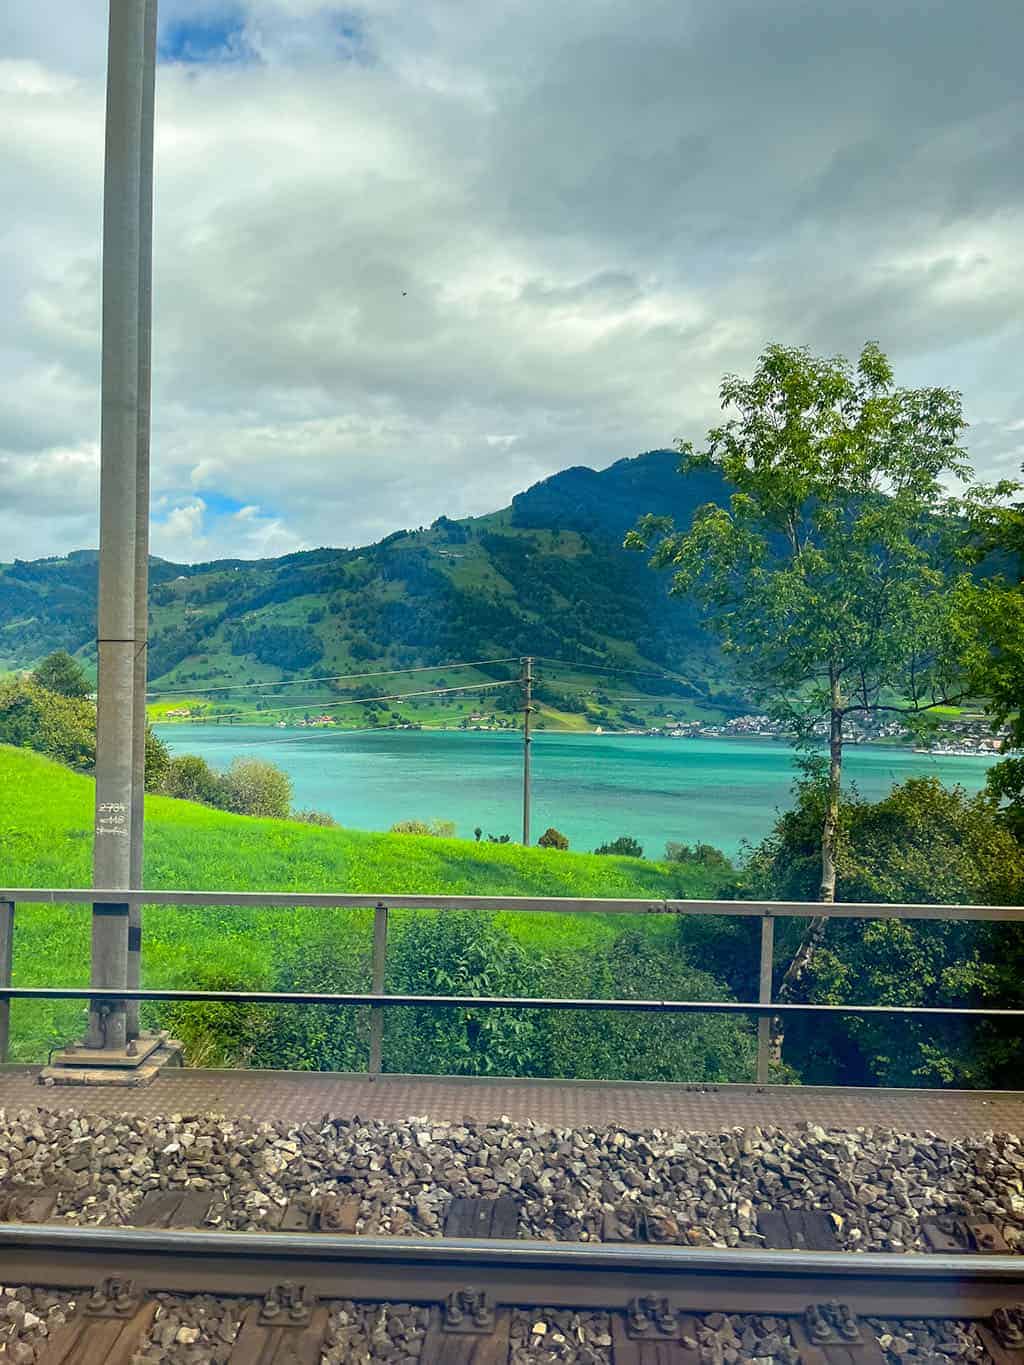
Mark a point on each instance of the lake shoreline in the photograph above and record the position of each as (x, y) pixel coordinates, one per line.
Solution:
(274, 729)
(720, 791)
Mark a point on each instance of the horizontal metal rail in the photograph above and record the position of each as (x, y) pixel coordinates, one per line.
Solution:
(558, 905)
(111, 902)
(379, 1000)
(557, 1275)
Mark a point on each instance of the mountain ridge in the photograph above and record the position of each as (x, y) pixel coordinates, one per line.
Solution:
(545, 575)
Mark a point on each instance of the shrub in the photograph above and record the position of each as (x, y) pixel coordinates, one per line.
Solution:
(463, 953)
(623, 847)
(252, 786)
(437, 829)
(923, 843)
(190, 778)
(645, 1047)
(552, 838)
(158, 761)
(314, 817)
(63, 728)
(706, 855)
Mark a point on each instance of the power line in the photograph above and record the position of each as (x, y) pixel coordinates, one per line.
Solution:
(297, 736)
(643, 696)
(329, 677)
(354, 701)
(602, 668)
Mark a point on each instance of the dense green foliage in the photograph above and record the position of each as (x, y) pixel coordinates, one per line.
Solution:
(61, 727)
(46, 841)
(996, 649)
(625, 846)
(250, 786)
(553, 838)
(60, 673)
(928, 844)
(64, 728)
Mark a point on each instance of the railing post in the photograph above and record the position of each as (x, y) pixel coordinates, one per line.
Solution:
(6, 954)
(764, 996)
(380, 954)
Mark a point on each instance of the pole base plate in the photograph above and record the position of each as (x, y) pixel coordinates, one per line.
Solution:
(114, 1066)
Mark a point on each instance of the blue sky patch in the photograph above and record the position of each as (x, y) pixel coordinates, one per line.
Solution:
(207, 40)
(219, 505)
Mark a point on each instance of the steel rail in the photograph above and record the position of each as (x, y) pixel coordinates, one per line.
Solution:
(378, 1000)
(286, 900)
(558, 1275)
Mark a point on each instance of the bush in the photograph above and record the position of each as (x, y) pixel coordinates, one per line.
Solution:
(63, 728)
(463, 953)
(625, 846)
(252, 786)
(314, 817)
(158, 761)
(437, 829)
(923, 843)
(552, 838)
(645, 1047)
(190, 778)
(706, 855)
(62, 674)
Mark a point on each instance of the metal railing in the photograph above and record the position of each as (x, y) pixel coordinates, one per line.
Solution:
(378, 1000)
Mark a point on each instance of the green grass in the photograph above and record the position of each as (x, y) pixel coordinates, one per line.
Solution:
(46, 841)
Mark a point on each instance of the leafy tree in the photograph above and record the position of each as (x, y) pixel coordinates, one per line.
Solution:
(253, 786)
(552, 838)
(62, 674)
(836, 575)
(625, 846)
(923, 843)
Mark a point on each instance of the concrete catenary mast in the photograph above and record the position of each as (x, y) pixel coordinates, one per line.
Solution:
(124, 448)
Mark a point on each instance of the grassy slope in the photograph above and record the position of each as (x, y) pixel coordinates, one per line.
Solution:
(45, 840)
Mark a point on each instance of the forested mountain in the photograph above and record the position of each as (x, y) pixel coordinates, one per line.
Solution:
(547, 576)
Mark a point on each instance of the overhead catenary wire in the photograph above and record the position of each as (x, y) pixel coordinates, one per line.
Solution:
(603, 668)
(327, 677)
(352, 701)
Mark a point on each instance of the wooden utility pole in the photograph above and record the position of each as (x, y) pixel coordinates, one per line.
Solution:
(527, 710)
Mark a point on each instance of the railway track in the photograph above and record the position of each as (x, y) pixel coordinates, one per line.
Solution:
(656, 1296)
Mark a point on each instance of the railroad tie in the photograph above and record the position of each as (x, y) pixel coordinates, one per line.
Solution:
(496, 1218)
(109, 1325)
(798, 1230)
(679, 1349)
(448, 1345)
(286, 1329)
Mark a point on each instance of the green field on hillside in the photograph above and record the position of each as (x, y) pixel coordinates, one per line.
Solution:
(46, 840)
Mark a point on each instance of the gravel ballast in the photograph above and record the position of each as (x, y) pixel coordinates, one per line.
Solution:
(706, 1189)
(201, 1330)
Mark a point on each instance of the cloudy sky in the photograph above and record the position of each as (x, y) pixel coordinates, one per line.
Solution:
(413, 255)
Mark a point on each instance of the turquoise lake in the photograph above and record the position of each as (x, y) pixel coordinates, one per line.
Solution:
(591, 787)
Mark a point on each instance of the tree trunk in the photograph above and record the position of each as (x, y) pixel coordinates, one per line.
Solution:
(815, 932)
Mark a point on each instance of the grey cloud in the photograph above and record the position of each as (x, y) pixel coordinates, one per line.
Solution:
(559, 224)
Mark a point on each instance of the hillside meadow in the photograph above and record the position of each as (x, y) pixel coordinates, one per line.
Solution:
(46, 841)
